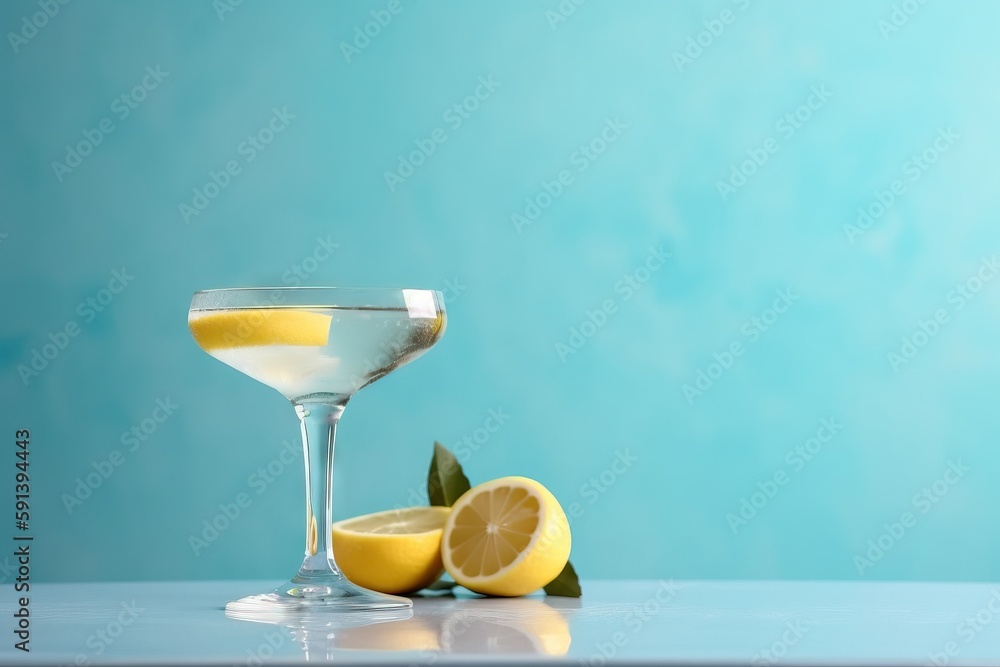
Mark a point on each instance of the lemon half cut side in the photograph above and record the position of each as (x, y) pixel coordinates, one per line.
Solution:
(507, 537)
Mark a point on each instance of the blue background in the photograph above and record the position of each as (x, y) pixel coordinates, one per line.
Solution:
(514, 294)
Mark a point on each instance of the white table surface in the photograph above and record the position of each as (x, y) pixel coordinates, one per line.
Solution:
(616, 622)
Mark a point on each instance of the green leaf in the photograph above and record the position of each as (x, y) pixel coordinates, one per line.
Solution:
(445, 480)
(566, 584)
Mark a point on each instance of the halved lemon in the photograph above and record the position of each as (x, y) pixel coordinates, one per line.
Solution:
(396, 551)
(506, 537)
(259, 326)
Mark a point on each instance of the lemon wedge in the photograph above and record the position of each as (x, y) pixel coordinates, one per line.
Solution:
(506, 537)
(259, 326)
(396, 551)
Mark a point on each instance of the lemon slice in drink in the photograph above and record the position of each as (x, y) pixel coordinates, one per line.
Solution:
(506, 537)
(396, 551)
(259, 326)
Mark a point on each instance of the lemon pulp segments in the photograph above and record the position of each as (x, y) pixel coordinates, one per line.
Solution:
(506, 537)
(493, 529)
(260, 326)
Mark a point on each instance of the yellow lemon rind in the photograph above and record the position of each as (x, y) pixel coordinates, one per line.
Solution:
(395, 563)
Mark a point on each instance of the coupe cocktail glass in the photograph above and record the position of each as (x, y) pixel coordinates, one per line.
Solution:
(317, 346)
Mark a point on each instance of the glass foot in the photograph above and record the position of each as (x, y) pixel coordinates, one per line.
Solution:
(326, 593)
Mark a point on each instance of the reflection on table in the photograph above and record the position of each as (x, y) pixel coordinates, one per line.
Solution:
(510, 626)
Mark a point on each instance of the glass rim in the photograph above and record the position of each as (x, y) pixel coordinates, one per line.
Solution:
(234, 298)
(304, 288)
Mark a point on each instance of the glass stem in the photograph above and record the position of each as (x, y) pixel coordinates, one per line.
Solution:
(319, 432)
